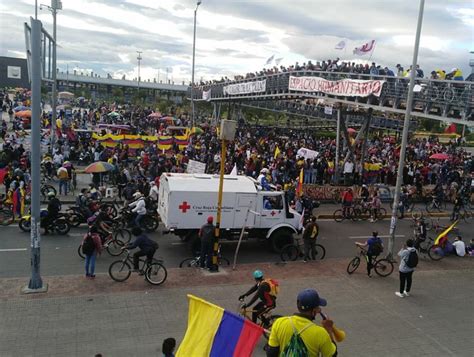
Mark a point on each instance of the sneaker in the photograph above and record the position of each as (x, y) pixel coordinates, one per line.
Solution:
(399, 294)
(92, 276)
(406, 293)
(305, 261)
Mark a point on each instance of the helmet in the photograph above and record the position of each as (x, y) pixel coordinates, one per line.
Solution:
(51, 194)
(258, 274)
(375, 233)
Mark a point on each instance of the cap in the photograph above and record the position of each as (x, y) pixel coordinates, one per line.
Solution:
(210, 219)
(309, 299)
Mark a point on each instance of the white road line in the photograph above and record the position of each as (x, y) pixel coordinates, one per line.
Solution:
(77, 234)
(14, 250)
(367, 236)
(178, 243)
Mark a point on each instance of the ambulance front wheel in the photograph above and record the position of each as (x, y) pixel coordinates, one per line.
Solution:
(281, 238)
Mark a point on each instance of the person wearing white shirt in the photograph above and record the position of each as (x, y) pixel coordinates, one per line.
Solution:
(139, 207)
(459, 246)
(153, 194)
(348, 172)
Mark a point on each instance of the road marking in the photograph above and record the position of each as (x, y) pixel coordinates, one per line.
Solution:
(13, 250)
(367, 236)
(77, 234)
(178, 243)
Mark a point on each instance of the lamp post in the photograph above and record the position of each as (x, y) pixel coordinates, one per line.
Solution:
(55, 6)
(401, 162)
(192, 70)
(139, 58)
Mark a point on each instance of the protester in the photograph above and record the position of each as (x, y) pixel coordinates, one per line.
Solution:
(407, 266)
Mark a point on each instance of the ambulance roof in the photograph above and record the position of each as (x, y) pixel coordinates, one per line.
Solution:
(209, 183)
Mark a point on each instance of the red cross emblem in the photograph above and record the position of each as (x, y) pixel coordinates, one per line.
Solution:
(184, 206)
(273, 213)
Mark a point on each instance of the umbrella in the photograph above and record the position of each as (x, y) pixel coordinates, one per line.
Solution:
(155, 115)
(24, 114)
(351, 130)
(99, 166)
(21, 108)
(113, 114)
(80, 98)
(167, 118)
(65, 94)
(439, 156)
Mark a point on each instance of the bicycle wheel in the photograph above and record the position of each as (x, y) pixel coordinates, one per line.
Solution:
(268, 323)
(6, 217)
(189, 263)
(383, 267)
(114, 247)
(338, 216)
(223, 261)
(122, 235)
(435, 253)
(364, 214)
(355, 214)
(120, 270)
(25, 225)
(353, 265)
(149, 224)
(320, 252)
(289, 253)
(380, 214)
(156, 273)
(79, 252)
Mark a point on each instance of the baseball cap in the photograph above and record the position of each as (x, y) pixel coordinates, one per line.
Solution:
(309, 299)
(210, 219)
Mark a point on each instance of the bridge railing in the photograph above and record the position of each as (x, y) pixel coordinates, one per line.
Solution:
(440, 98)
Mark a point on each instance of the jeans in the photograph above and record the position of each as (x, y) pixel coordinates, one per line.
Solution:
(90, 264)
(370, 262)
(309, 249)
(207, 248)
(63, 186)
(141, 253)
(405, 278)
(139, 219)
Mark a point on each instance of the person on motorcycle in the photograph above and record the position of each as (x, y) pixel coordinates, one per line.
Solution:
(139, 207)
(54, 207)
(266, 290)
(83, 203)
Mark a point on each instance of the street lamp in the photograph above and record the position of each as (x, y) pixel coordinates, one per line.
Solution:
(139, 58)
(192, 70)
(55, 6)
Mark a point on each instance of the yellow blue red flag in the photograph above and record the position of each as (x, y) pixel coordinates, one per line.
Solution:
(446, 231)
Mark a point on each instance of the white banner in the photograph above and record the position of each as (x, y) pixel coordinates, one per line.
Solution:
(307, 153)
(196, 167)
(343, 87)
(328, 110)
(245, 88)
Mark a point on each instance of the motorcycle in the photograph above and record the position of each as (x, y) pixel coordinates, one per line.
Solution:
(60, 225)
(149, 223)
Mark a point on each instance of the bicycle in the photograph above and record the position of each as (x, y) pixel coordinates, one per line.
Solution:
(7, 216)
(196, 261)
(351, 213)
(427, 247)
(383, 267)
(113, 244)
(154, 271)
(435, 204)
(366, 211)
(291, 252)
(265, 320)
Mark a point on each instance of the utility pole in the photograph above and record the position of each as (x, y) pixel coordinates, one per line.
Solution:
(192, 70)
(55, 6)
(139, 58)
(401, 162)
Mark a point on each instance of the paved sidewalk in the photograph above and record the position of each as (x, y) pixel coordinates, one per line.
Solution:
(79, 317)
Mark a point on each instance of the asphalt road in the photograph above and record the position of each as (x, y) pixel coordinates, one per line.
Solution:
(59, 253)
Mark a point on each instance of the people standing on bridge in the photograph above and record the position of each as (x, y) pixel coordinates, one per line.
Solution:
(207, 236)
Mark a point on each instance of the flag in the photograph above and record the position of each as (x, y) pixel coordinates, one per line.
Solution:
(278, 61)
(341, 45)
(206, 95)
(446, 231)
(234, 171)
(213, 331)
(270, 59)
(451, 129)
(299, 188)
(365, 48)
(277, 152)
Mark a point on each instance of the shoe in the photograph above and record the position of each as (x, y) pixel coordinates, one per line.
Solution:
(406, 293)
(92, 276)
(87, 276)
(305, 261)
(399, 294)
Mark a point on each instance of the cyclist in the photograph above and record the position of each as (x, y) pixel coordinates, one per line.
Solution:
(421, 232)
(458, 204)
(54, 207)
(374, 247)
(266, 290)
(364, 194)
(311, 231)
(347, 199)
(139, 207)
(317, 340)
(98, 221)
(147, 247)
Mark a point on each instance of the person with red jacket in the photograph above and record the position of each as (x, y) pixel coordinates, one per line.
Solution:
(347, 199)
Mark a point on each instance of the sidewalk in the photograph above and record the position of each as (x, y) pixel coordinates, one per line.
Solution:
(79, 317)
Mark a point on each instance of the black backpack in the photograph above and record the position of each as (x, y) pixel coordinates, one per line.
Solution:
(412, 259)
(88, 245)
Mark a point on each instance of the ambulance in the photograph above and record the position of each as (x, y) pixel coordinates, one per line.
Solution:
(187, 200)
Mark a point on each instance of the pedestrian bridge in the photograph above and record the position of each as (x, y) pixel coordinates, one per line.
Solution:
(444, 100)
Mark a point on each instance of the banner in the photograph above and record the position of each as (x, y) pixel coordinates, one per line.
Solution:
(307, 153)
(196, 167)
(245, 88)
(343, 87)
(206, 95)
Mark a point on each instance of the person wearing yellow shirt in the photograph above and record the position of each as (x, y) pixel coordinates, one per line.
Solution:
(319, 341)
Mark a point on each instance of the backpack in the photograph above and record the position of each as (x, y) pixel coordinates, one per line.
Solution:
(412, 259)
(274, 286)
(88, 245)
(296, 346)
(376, 248)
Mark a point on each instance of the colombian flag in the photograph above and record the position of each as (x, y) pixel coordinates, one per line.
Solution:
(446, 231)
(299, 188)
(215, 332)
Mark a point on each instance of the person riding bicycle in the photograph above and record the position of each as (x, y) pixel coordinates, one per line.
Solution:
(347, 199)
(54, 207)
(147, 247)
(266, 290)
(364, 194)
(421, 232)
(374, 247)
(458, 204)
(139, 207)
(98, 221)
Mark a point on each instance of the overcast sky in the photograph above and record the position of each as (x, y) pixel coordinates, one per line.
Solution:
(238, 36)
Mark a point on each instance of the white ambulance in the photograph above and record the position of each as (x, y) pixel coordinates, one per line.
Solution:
(187, 200)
